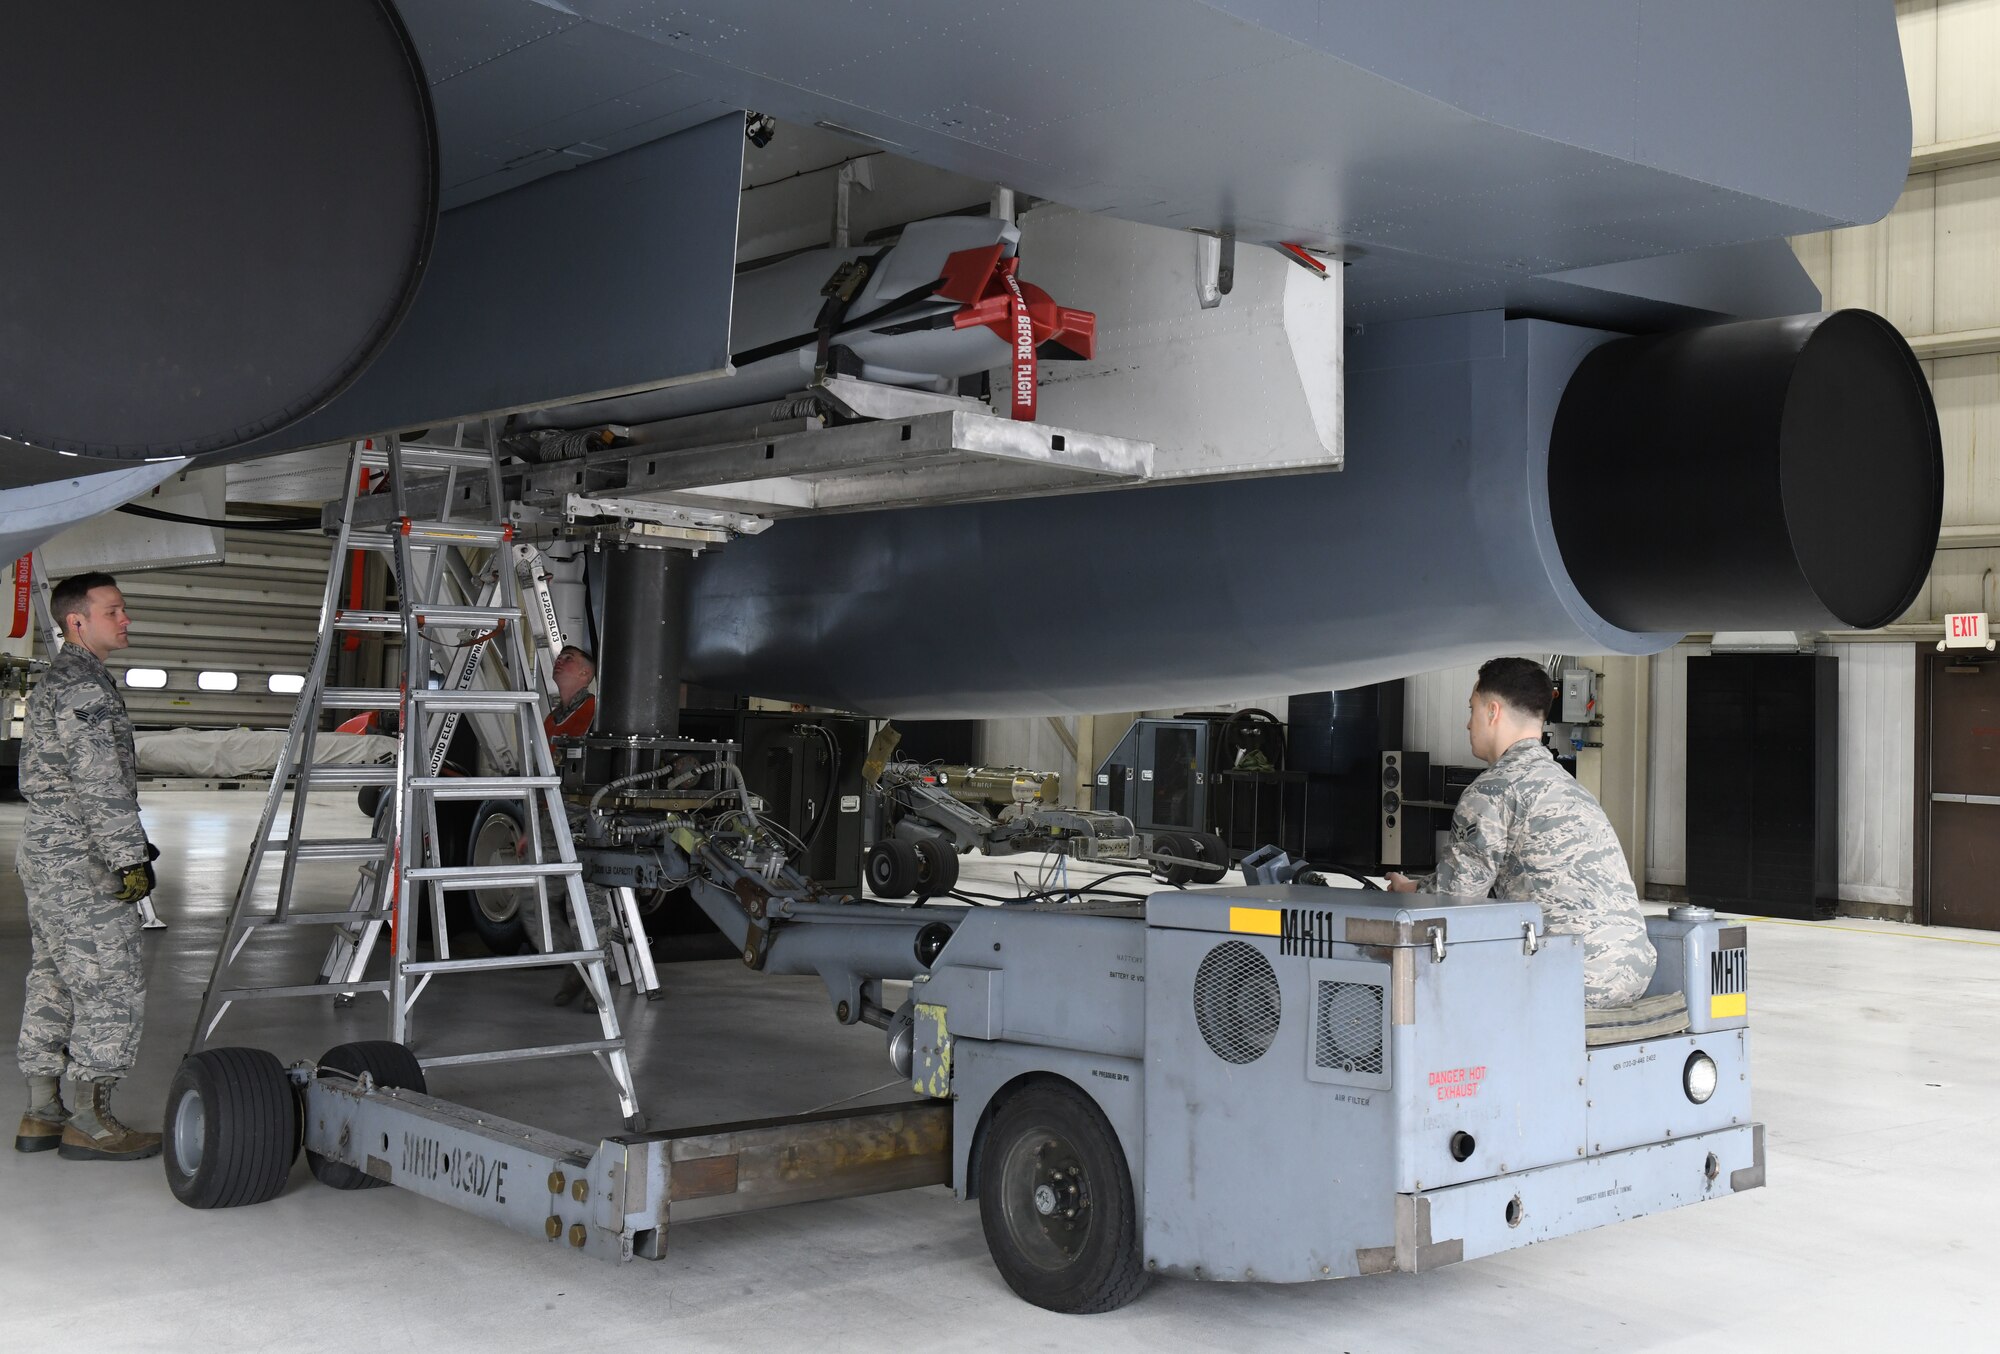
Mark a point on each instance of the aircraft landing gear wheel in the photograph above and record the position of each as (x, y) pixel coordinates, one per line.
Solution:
(1055, 1200)
(499, 915)
(1208, 848)
(937, 867)
(232, 1128)
(390, 1064)
(893, 869)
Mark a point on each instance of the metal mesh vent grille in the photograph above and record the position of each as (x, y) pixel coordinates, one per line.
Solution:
(1348, 1027)
(1236, 1003)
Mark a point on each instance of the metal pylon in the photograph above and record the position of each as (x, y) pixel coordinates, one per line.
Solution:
(438, 565)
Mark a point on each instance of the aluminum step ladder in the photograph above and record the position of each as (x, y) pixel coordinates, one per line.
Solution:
(438, 565)
(352, 945)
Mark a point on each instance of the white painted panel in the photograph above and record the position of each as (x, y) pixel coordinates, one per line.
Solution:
(124, 543)
(1666, 834)
(1968, 53)
(1252, 385)
(1916, 22)
(1968, 400)
(1908, 239)
(1968, 236)
(1877, 770)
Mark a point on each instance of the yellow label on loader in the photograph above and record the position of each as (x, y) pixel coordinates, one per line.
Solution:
(1255, 921)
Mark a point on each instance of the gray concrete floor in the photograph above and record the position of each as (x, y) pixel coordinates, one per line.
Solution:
(1875, 1069)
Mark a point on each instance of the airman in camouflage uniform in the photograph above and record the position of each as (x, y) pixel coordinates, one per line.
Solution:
(1527, 832)
(83, 864)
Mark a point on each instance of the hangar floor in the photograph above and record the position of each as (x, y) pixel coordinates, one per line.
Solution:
(1876, 1071)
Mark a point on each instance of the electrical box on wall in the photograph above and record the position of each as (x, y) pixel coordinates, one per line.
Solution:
(1579, 696)
(1576, 717)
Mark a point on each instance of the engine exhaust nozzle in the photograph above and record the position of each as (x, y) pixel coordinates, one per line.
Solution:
(1773, 474)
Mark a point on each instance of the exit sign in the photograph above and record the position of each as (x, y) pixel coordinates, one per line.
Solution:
(1966, 630)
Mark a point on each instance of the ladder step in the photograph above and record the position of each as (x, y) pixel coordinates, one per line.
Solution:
(334, 848)
(365, 539)
(492, 876)
(313, 919)
(475, 702)
(391, 622)
(378, 773)
(484, 787)
(301, 990)
(503, 961)
(458, 533)
(502, 1055)
(388, 621)
(430, 458)
(488, 616)
(359, 698)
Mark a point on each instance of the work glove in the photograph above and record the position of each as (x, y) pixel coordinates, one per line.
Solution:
(135, 881)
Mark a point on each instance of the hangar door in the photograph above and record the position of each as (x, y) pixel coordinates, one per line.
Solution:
(1964, 807)
(208, 640)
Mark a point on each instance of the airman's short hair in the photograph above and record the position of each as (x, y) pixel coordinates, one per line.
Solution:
(1521, 682)
(71, 597)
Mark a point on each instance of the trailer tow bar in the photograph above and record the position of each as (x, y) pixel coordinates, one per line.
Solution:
(616, 1201)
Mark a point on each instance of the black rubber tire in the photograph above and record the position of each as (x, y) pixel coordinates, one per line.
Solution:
(892, 868)
(1208, 847)
(390, 1064)
(1048, 1134)
(937, 867)
(501, 935)
(231, 1128)
(1173, 844)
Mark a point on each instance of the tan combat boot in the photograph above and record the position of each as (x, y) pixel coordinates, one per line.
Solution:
(93, 1133)
(42, 1126)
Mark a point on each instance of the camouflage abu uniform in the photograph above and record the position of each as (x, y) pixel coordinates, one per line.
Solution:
(1527, 832)
(86, 980)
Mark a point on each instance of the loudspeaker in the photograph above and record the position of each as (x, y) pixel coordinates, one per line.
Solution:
(1407, 843)
(1337, 739)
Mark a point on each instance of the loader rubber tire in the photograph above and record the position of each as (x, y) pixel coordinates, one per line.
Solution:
(892, 868)
(389, 1064)
(1208, 847)
(1056, 1201)
(231, 1128)
(937, 867)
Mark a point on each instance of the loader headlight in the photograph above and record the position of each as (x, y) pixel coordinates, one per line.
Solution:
(1699, 1077)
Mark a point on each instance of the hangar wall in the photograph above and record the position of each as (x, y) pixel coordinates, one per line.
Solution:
(254, 615)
